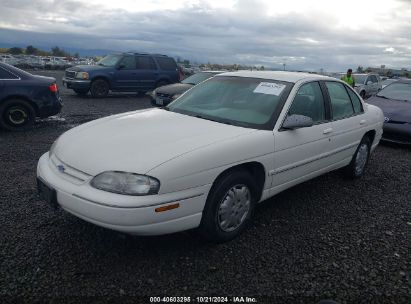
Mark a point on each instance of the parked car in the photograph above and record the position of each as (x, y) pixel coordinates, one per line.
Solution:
(126, 72)
(204, 162)
(395, 102)
(162, 96)
(9, 59)
(367, 84)
(24, 96)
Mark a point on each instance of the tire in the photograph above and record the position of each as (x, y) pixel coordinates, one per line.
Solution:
(229, 207)
(81, 92)
(359, 161)
(99, 88)
(162, 83)
(362, 94)
(16, 114)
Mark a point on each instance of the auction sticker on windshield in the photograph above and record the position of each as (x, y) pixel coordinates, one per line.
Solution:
(269, 88)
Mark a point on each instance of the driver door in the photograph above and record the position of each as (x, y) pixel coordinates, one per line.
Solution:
(302, 153)
(125, 75)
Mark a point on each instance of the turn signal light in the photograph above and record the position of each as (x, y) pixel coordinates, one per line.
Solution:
(168, 207)
(53, 88)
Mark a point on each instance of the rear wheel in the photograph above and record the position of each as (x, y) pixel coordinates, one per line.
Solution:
(99, 88)
(356, 168)
(16, 114)
(362, 94)
(229, 207)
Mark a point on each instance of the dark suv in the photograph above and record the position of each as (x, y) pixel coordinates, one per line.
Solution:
(126, 72)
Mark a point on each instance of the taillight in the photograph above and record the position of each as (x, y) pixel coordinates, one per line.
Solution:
(53, 88)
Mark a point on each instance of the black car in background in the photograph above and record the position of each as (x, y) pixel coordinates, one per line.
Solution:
(395, 101)
(125, 72)
(24, 96)
(162, 96)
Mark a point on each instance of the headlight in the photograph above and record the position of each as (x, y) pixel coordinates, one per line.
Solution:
(82, 75)
(126, 183)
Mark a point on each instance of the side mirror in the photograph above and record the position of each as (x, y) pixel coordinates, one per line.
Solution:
(297, 121)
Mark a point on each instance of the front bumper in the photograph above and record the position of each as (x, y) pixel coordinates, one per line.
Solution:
(397, 133)
(77, 84)
(130, 214)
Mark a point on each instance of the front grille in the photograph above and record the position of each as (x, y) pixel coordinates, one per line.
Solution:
(163, 95)
(70, 74)
(68, 172)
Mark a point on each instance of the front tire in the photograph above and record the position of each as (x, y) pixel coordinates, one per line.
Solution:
(99, 88)
(362, 94)
(16, 114)
(359, 161)
(229, 207)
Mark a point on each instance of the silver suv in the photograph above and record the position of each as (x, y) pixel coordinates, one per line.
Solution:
(367, 84)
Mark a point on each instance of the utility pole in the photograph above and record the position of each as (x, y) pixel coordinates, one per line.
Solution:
(284, 66)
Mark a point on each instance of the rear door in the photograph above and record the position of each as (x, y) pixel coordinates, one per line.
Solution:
(125, 74)
(146, 73)
(303, 152)
(348, 121)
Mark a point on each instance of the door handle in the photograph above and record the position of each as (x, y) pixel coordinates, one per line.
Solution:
(327, 131)
(362, 122)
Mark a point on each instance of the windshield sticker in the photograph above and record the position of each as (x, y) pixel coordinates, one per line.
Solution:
(269, 88)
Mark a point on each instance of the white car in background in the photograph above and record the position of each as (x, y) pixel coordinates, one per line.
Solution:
(208, 158)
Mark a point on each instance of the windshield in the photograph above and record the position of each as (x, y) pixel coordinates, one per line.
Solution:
(197, 78)
(397, 90)
(360, 79)
(109, 60)
(241, 101)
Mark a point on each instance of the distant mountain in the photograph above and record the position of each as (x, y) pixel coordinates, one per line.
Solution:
(45, 41)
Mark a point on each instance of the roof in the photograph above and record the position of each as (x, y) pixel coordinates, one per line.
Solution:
(276, 75)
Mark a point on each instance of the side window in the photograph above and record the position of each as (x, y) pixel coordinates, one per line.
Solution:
(355, 101)
(374, 79)
(340, 101)
(6, 74)
(166, 63)
(145, 63)
(309, 102)
(128, 62)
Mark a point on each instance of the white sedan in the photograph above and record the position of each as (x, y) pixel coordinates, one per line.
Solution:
(208, 158)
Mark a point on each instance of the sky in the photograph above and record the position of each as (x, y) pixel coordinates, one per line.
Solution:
(305, 35)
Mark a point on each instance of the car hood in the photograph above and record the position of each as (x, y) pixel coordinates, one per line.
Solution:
(139, 141)
(87, 68)
(393, 109)
(172, 89)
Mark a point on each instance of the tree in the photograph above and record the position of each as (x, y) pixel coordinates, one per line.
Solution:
(31, 50)
(360, 69)
(76, 55)
(16, 51)
(56, 51)
(262, 68)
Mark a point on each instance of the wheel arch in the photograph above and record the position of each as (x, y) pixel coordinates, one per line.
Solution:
(22, 97)
(254, 168)
(102, 77)
(371, 135)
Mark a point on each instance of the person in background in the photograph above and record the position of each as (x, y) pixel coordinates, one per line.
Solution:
(348, 78)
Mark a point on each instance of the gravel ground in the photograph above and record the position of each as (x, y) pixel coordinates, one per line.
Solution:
(328, 238)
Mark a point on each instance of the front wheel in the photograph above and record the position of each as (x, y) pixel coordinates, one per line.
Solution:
(99, 88)
(229, 207)
(362, 94)
(356, 168)
(16, 114)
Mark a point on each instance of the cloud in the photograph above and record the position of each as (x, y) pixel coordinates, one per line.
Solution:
(247, 32)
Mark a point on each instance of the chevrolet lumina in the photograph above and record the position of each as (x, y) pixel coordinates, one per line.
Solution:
(208, 158)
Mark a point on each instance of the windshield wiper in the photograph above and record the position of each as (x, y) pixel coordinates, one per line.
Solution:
(382, 96)
(207, 118)
(100, 64)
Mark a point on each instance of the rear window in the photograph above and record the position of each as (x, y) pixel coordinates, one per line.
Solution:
(166, 63)
(6, 74)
